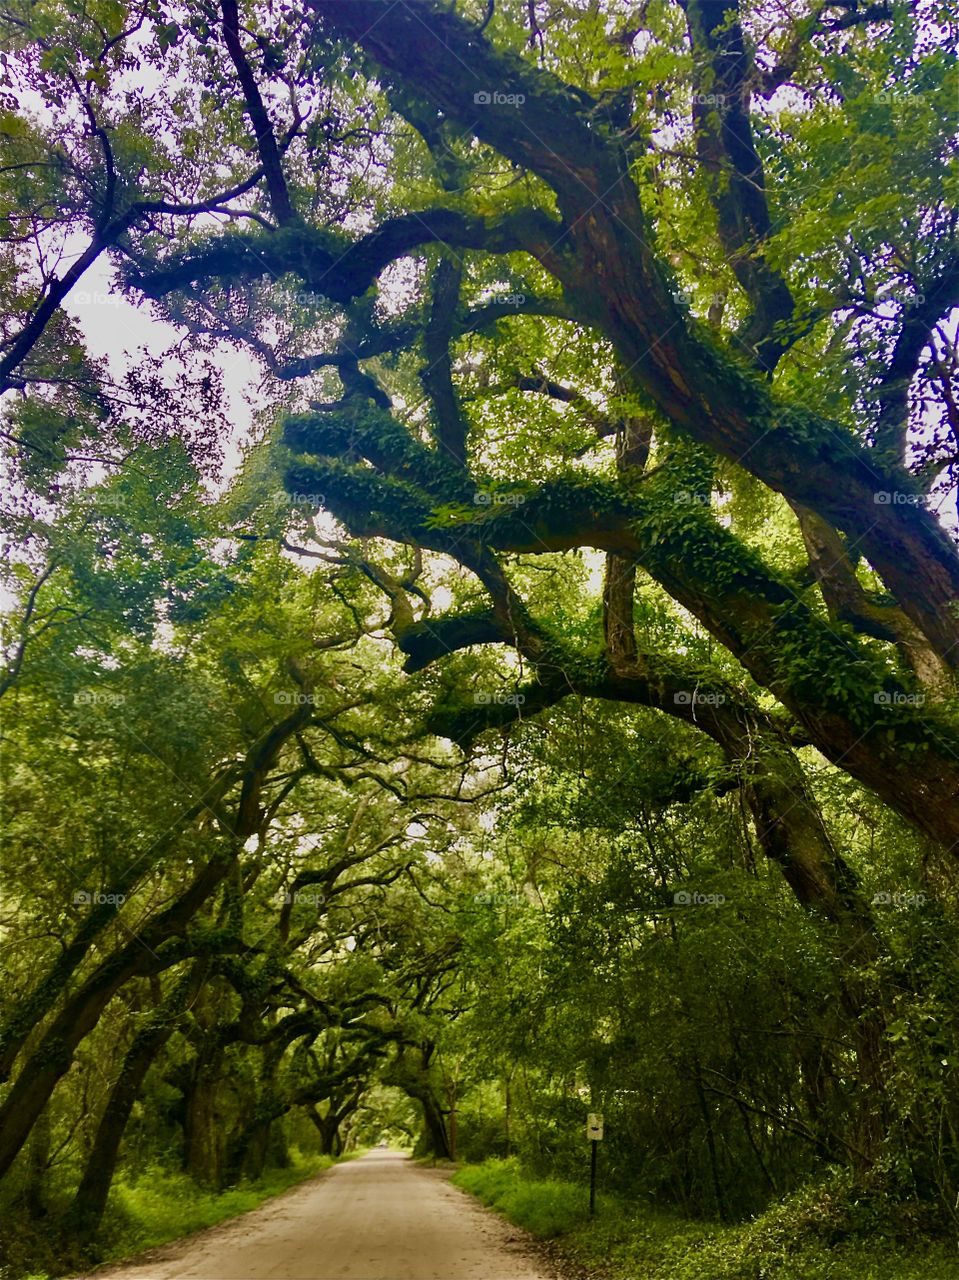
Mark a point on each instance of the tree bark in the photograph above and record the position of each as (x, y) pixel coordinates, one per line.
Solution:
(151, 951)
(202, 1141)
(601, 255)
(89, 1202)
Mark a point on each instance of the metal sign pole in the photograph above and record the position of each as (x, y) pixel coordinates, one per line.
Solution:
(594, 1132)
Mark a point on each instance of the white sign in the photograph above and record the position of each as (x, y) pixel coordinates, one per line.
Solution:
(594, 1127)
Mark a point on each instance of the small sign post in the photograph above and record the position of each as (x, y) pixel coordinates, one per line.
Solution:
(594, 1132)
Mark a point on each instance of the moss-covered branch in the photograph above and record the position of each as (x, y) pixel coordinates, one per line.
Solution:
(332, 264)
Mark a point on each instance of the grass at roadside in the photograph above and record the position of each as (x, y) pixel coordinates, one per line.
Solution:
(160, 1206)
(804, 1238)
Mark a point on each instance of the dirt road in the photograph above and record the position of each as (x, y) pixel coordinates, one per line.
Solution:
(376, 1218)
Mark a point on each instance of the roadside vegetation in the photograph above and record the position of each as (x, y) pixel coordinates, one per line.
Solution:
(161, 1205)
(490, 655)
(825, 1232)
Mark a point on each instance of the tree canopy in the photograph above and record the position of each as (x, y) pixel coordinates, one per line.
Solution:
(587, 584)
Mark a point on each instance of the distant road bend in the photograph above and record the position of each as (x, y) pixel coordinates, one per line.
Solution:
(379, 1217)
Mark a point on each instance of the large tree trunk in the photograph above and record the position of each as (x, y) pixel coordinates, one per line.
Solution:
(411, 1073)
(150, 952)
(328, 1127)
(341, 1104)
(434, 1121)
(202, 1143)
(601, 253)
(256, 1146)
(252, 1142)
(791, 832)
(81, 1013)
(26, 1013)
(89, 1203)
(38, 1161)
(86, 1211)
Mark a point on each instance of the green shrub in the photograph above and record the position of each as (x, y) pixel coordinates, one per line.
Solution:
(158, 1206)
(548, 1208)
(162, 1205)
(821, 1233)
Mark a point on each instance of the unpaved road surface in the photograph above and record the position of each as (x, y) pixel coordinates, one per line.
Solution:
(376, 1218)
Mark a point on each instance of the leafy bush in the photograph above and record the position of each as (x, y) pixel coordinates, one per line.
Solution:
(821, 1233)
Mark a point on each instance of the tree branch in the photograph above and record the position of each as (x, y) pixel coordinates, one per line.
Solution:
(266, 143)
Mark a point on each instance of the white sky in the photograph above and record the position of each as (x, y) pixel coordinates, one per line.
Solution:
(115, 329)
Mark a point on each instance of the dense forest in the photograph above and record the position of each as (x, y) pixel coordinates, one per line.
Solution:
(487, 654)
